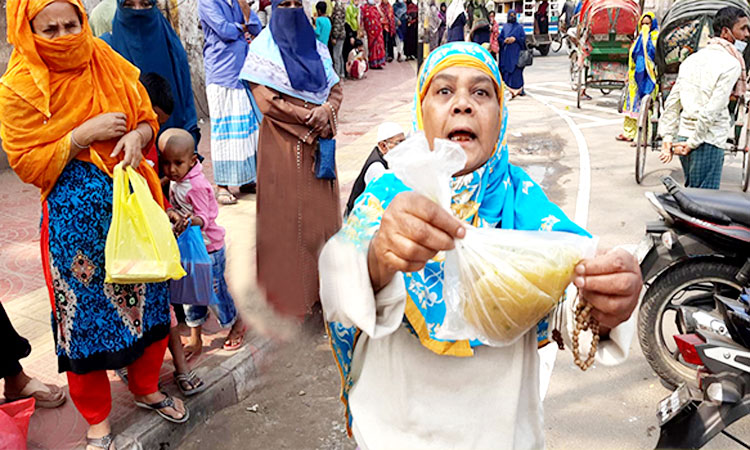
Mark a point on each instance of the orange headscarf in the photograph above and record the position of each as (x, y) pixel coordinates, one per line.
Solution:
(52, 86)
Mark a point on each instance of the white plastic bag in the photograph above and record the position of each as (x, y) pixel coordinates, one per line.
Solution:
(500, 283)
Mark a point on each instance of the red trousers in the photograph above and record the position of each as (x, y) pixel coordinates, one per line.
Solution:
(90, 392)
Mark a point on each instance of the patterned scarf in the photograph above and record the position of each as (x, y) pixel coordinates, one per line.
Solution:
(740, 89)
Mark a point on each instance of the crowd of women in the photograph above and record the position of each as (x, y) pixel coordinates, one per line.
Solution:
(73, 107)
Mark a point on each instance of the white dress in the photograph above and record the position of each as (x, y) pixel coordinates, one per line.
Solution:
(406, 396)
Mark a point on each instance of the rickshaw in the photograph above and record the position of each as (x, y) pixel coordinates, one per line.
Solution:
(686, 28)
(605, 32)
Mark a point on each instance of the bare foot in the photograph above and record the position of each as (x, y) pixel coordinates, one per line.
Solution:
(193, 348)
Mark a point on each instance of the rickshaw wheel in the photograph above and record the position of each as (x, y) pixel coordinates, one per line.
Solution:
(573, 70)
(581, 84)
(644, 119)
(745, 169)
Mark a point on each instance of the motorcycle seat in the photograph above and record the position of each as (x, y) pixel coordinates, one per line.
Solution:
(736, 205)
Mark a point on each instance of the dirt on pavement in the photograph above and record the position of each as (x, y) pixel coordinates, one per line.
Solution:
(296, 406)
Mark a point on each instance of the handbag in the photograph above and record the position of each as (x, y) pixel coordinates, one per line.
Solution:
(325, 159)
(525, 58)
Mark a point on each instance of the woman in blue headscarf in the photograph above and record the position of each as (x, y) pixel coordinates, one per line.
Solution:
(382, 282)
(641, 74)
(512, 40)
(142, 35)
(297, 95)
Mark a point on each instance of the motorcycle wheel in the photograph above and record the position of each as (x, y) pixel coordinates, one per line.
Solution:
(689, 283)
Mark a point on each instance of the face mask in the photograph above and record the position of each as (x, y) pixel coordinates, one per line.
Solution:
(645, 29)
(740, 45)
(511, 19)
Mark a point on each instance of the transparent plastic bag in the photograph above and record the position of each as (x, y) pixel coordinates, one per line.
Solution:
(140, 247)
(500, 283)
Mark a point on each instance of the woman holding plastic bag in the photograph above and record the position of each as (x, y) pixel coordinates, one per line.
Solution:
(382, 277)
(71, 110)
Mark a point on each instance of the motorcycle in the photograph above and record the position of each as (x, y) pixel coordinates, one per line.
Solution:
(700, 246)
(690, 417)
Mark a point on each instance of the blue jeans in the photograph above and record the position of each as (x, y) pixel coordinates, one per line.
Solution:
(222, 304)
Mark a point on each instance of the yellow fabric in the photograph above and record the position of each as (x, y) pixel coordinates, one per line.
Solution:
(140, 247)
(452, 61)
(52, 86)
(630, 127)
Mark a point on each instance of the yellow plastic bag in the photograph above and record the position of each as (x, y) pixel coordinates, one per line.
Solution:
(140, 245)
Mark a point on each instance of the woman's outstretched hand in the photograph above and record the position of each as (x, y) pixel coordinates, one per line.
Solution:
(413, 230)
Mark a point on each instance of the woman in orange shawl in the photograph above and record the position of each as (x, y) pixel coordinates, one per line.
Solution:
(71, 109)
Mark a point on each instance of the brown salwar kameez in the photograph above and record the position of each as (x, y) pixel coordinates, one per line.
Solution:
(297, 212)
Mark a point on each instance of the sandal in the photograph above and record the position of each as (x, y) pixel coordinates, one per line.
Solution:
(45, 395)
(235, 343)
(168, 402)
(226, 198)
(623, 138)
(122, 374)
(189, 383)
(103, 442)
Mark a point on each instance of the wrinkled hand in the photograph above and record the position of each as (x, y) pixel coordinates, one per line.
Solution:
(611, 283)
(102, 128)
(413, 230)
(510, 40)
(665, 155)
(317, 119)
(132, 145)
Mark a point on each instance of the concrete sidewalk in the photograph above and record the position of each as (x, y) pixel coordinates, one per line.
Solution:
(231, 376)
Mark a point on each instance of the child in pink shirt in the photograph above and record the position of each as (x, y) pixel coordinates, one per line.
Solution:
(192, 199)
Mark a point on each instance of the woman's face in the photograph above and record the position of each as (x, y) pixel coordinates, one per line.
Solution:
(646, 21)
(137, 4)
(461, 105)
(290, 4)
(56, 20)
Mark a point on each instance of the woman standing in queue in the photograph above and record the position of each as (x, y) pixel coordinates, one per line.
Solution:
(297, 94)
(512, 40)
(71, 110)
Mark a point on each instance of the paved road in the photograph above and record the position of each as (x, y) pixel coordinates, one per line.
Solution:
(584, 170)
(607, 407)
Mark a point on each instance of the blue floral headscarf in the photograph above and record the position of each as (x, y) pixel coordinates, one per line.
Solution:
(497, 194)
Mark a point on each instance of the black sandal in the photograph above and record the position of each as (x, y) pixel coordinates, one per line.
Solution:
(196, 385)
(168, 402)
(103, 442)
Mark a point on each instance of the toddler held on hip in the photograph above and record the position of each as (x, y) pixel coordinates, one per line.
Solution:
(193, 200)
